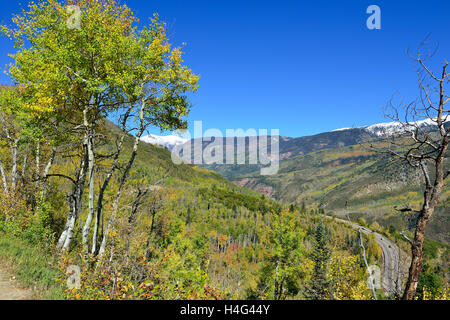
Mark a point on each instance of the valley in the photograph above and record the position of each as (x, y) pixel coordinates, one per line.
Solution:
(344, 166)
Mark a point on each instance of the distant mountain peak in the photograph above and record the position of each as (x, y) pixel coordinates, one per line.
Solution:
(341, 129)
(389, 128)
(170, 141)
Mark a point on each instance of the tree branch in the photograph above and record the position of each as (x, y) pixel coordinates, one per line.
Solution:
(406, 237)
(426, 175)
(61, 176)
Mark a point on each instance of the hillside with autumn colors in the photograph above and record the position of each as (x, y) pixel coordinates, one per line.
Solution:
(91, 208)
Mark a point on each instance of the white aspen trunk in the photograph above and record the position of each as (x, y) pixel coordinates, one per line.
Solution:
(71, 227)
(63, 236)
(102, 192)
(90, 216)
(116, 200)
(5, 182)
(75, 200)
(13, 145)
(46, 171)
(24, 166)
(38, 163)
(122, 183)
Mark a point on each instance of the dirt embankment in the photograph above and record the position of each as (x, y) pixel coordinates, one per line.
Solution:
(252, 183)
(9, 289)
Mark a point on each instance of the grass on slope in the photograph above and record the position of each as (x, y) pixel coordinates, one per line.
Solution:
(31, 265)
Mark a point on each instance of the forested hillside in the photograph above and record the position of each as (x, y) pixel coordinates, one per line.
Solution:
(370, 183)
(88, 210)
(81, 193)
(193, 234)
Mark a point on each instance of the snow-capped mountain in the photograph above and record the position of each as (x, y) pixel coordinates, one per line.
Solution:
(291, 147)
(166, 141)
(390, 128)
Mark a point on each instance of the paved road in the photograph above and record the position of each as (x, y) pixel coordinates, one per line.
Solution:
(391, 278)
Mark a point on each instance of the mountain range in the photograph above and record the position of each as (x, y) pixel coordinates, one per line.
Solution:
(291, 147)
(332, 169)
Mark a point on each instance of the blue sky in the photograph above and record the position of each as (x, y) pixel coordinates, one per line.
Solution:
(303, 67)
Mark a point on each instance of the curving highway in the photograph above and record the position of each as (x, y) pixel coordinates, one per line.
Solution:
(391, 281)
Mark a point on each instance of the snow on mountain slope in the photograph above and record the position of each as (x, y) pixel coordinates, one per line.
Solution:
(166, 141)
(342, 129)
(390, 128)
(379, 129)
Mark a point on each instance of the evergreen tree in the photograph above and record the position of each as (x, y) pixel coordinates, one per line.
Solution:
(281, 274)
(303, 209)
(320, 287)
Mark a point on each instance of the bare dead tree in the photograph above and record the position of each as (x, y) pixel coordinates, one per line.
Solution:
(422, 141)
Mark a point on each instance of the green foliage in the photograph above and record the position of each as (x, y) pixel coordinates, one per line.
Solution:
(168, 276)
(392, 229)
(21, 222)
(373, 250)
(281, 275)
(348, 278)
(429, 281)
(362, 222)
(195, 235)
(38, 231)
(320, 286)
(231, 199)
(107, 63)
(31, 264)
(430, 249)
